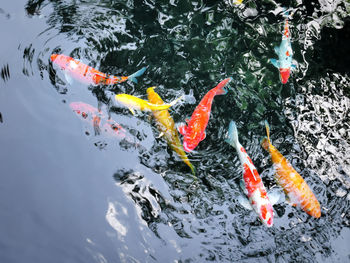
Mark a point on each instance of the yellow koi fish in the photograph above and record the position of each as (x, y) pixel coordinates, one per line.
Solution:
(294, 186)
(135, 103)
(166, 126)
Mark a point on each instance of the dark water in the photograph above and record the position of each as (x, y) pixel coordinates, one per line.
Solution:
(70, 195)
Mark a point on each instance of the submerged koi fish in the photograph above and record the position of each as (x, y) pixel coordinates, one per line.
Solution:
(166, 126)
(254, 186)
(99, 120)
(294, 186)
(87, 74)
(237, 2)
(194, 131)
(284, 53)
(135, 103)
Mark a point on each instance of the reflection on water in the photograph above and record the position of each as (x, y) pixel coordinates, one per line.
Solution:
(154, 211)
(5, 72)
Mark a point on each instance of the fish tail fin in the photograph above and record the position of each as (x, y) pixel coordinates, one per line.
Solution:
(232, 135)
(266, 141)
(285, 13)
(138, 73)
(193, 169)
(267, 126)
(176, 100)
(220, 88)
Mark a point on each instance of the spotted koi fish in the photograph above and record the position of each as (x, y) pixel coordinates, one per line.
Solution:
(284, 53)
(194, 131)
(294, 186)
(166, 126)
(253, 184)
(89, 75)
(99, 121)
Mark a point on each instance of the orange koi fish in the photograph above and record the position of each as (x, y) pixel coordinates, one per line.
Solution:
(87, 74)
(294, 186)
(166, 126)
(194, 131)
(253, 184)
(99, 121)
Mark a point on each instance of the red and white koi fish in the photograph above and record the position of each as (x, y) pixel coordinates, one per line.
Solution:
(87, 74)
(285, 54)
(253, 184)
(194, 131)
(294, 186)
(99, 121)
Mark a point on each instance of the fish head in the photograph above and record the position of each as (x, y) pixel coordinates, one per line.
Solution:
(60, 60)
(284, 75)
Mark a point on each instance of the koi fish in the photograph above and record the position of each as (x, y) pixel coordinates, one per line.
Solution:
(294, 186)
(99, 120)
(237, 2)
(253, 184)
(194, 131)
(284, 53)
(89, 75)
(135, 103)
(166, 126)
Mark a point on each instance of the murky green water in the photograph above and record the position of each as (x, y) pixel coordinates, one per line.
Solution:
(71, 195)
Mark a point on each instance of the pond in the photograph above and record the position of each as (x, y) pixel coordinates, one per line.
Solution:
(79, 189)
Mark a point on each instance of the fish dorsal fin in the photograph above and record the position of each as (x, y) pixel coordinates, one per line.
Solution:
(68, 78)
(275, 62)
(277, 50)
(182, 128)
(243, 201)
(132, 111)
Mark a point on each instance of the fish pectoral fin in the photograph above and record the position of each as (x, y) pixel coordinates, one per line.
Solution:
(277, 50)
(132, 111)
(275, 62)
(276, 196)
(242, 185)
(182, 128)
(68, 78)
(203, 136)
(290, 202)
(243, 201)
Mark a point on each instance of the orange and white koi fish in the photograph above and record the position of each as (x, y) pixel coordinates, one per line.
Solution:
(294, 186)
(99, 121)
(254, 186)
(166, 126)
(89, 75)
(194, 131)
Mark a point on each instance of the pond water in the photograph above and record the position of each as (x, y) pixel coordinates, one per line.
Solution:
(69, 193)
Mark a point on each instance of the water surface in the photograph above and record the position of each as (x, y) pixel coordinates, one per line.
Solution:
(69, 194)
